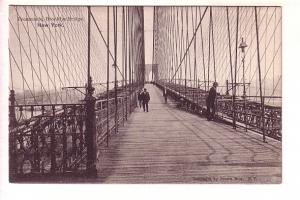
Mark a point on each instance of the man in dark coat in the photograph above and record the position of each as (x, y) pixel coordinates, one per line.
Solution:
(140, 97)
(165, 94)
(210, 102)
(145, 96)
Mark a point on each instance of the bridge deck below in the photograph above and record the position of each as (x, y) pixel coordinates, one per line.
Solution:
(168, 145)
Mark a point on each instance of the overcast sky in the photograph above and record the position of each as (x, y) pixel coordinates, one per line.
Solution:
(66, 54)
(148, 18)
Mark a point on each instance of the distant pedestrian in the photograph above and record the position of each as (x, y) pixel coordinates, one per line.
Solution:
(210, 102)
(145, 99)
(140, 97)
(165, 95)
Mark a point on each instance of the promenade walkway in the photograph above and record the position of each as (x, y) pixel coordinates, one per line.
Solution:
(168, 145)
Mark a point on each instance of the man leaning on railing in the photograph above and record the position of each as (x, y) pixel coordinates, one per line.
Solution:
(210, 102)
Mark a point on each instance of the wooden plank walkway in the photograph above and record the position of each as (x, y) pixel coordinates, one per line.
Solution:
(167, 145)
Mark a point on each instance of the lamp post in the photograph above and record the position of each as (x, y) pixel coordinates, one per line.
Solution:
(242, 46)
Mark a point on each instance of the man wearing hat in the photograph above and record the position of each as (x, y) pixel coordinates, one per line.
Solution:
(210, 101)
(145, 96)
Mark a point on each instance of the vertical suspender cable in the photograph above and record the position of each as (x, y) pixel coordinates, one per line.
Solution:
(230, 59)
(176, 44)
(195, 52)
(236, 48)
(126, 44)
(153, 42)
(209, 38)
(259, 74)
(213, 44)
(89, 50)
(274, 37)
(115, 66)
(123, 62)
(203, 61)
(186, 63)
(107, 87)
(235, 65)
(181, 47)
(190, 70)
(129, 56)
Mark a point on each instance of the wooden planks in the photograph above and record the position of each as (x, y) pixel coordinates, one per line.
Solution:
(167, 145)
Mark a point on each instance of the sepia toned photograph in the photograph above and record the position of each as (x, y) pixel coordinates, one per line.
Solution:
(145, 94)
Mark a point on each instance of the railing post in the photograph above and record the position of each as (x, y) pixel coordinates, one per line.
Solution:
(227, 87)
(12, 113)
(245, 115)
(126, 105)
(74, 135)
(233, 107)
(53, 143)
(123, 110)
(263, 118)
(35, 145)
(90, 120)
(90, 131)
(64, 139)
(80, 121)
(12, 136)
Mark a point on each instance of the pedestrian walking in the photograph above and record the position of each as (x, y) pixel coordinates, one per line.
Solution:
(165, 94)
(140, 97)
(145, 99)
(210, 102)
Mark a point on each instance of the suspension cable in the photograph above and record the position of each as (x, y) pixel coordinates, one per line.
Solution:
(190, 43)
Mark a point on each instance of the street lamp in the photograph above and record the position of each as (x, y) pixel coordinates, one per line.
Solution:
(242, 46)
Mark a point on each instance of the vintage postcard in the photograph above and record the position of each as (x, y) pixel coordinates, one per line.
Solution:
(145, 94)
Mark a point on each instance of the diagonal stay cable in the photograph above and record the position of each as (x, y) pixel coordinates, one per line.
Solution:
(190, 43)
(30, 60)
(106, 44)
(23, 77)
(275, 87)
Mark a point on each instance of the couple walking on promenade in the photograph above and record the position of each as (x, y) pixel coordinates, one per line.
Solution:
(144, 98)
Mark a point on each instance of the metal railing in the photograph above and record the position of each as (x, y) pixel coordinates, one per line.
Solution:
(47, 139)
(51, 139)
(244, 113)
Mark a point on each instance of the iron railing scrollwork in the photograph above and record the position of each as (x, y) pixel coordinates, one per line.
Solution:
(248, 113)
(52, 138)
(47, 139)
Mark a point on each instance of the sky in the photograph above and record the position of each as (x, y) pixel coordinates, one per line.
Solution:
(67, 47)
(148, 25)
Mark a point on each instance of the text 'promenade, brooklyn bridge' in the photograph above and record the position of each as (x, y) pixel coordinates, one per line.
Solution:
(128, 94)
